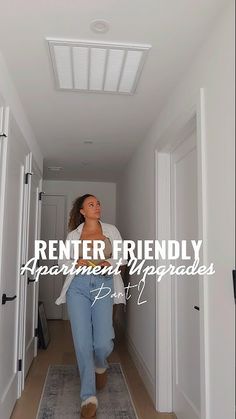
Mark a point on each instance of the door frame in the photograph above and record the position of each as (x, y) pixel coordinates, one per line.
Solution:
(192, 119)
(23, 279)
(39, 208)
(31, 167)
(3, 160)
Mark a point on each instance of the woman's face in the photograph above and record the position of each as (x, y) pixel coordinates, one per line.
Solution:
(91, 208)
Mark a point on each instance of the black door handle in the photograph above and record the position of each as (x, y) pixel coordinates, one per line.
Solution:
(30, 280)
(196, 308)
(5, 298)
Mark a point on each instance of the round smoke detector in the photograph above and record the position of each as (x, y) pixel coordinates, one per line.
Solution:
(99, 26)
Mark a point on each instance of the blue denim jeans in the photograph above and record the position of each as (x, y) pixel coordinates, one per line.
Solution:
(92, 325)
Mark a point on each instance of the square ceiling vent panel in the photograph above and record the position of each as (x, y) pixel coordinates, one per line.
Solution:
(97, 67)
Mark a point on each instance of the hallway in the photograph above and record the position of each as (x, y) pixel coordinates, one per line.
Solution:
(60, 351)
(117, 124)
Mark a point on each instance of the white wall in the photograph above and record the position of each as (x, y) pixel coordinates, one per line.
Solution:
(10, 95)
(104, 191)
(213, 69)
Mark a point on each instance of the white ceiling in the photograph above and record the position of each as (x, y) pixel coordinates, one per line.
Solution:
(62, 120)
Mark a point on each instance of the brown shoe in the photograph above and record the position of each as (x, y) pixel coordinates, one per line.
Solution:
(89, 408)
(101, 379)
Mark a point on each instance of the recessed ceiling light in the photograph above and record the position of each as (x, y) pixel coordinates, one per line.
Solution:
(55, 168)
(88, 142)
(90, 66)
(99, 26)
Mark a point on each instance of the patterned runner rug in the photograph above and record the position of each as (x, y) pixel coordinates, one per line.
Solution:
(60, 397)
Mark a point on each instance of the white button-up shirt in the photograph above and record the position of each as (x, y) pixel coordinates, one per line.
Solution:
(108, 230)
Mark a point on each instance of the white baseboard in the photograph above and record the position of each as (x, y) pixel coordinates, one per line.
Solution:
(142, 369)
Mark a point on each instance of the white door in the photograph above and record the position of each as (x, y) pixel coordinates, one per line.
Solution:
(185, 290)
(52, 228)
(11, 225)
(34, 182)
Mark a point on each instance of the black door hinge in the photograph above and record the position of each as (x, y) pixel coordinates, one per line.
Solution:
(3, 135)
(40, 195)
(234, 283)
(29, 280)
(19, 364)
(27, 177)
(22, 266)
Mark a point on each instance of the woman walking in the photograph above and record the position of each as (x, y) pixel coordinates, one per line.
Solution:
(91, 318)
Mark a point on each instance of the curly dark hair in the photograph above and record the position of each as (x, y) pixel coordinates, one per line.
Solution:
(76, 218)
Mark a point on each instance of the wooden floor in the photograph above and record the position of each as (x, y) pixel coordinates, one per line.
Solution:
(61, 351)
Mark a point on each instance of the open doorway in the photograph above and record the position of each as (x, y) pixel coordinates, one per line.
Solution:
(53, 227)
